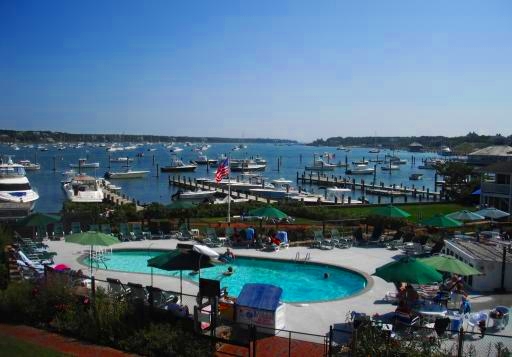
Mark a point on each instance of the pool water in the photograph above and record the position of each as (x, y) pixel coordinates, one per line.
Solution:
(301, 282)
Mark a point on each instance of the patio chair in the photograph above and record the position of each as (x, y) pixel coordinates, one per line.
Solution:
(75, 228)
(283, 238)
(117, 289)
(321, 242)
(500, 316)
(155, 232)
(106, 229)
(161, 298)
(138, 233)
(339, 240)
(94, 227)
(58, 231)
(137, 292)
(125, 234)
(184, 234)
(476, 318)
(211, 239)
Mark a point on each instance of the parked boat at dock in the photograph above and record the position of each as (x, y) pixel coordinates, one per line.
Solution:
(178, 166)
(29, 166)
(246, 165)
(321, 165)
(127, 174)
(84, 189)
(194, 196)
(360, 170)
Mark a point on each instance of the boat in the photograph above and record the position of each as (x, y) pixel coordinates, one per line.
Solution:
(246, 165)
(337, 195)
(123, 160)
(259, 160)
(430, 164)
(374, 151)
(390, 167)
(127, 174)
(360, 162)
(360, 170)
(415, 177)
(281, 188)
(29, 166)
(203, 160)
(178, 166)
(194, 196)
(342, 148)
(321, 165)
(83, 189)
(17, 197)
(83, 164)
(445, 151)
(175, 149)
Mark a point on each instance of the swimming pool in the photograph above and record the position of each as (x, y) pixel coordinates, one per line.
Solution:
(301, 282)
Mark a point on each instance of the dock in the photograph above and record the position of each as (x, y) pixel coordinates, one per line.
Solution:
(192, 184)
(369, 187)
(120, 199)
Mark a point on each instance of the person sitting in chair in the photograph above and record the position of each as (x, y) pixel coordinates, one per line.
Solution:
(227, 256)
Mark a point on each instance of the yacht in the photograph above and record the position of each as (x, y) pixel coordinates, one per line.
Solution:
(83, 189)
(282, 188)
(360, 170)
(178, 166)
(17, 197)
(29, 166)
(321, 165)
(194, 196)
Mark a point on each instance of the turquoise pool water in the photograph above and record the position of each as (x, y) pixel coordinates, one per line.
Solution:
(300, 282)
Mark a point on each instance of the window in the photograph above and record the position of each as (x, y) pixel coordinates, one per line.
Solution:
(14, 186)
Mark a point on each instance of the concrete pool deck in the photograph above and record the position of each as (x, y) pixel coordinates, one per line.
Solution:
(314, 318)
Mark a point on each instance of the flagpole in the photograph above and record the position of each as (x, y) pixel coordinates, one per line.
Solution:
(229, 190)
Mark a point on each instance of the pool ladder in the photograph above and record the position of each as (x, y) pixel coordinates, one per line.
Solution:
(306, 258)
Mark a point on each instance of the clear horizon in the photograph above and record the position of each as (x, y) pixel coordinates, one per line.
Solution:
(289, 70)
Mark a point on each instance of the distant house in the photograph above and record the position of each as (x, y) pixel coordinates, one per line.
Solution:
(496, 187)
(485, 256)
(415, 147)
(490, 155)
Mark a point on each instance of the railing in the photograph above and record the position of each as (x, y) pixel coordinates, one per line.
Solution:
(495, 188)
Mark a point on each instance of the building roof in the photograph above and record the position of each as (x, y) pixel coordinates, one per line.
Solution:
(497, 150)
(502, 167)
(487, 251)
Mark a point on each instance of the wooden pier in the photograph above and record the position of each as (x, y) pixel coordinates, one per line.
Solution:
(120, 199)
(369, 187)
(192, 184)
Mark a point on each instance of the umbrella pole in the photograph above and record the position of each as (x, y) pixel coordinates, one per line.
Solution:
(181, 285)
(151, 276)
(90, 259)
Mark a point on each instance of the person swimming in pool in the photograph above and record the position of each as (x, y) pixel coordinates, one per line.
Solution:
(228, 272)
(326, 275)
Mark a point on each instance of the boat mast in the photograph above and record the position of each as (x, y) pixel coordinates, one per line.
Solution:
(229, 189)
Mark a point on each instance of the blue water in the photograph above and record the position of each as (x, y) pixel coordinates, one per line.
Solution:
(300, 282)
(156, 189)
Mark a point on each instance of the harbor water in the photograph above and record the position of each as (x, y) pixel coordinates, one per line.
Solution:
(283, 161)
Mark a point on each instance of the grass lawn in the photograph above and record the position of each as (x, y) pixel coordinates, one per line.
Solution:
(10, 346)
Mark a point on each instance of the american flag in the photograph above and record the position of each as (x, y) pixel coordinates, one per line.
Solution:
(222, 170)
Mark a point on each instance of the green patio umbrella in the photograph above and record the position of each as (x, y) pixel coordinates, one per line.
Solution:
(92, 238)
(178, 259)
(267, 212)
(440, 221)
(38, 219)
(390, 211)
(449, 264)
(408, 270)
(465, 215)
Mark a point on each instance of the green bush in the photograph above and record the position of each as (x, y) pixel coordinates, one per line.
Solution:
(17, 303)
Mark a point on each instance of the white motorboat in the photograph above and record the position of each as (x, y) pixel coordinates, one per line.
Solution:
(282, 188)
(83, 164)
(342, 148)
(127, 174)
(83, 189)
(374, 151)
(360, 170)
(430, 164)
(360, 162)
(29, 166)
(415, 177)
(246, 165)
(175, 149)
(17, 197)
(390, 167)
(445, 151)
(321, 165)
(178, 166)
(337, 195)
(195, 196)
(123, 160)
(203, 160)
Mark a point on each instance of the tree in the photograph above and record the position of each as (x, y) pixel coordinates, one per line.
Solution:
(459, 179)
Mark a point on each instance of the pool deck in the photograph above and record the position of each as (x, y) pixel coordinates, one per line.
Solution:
(314, 318)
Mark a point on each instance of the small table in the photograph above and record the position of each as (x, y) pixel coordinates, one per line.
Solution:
(431, 311)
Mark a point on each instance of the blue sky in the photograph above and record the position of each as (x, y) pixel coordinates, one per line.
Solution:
(287, 69)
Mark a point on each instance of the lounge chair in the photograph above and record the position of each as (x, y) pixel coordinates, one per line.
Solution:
(75, 228)
(41, 233)
(402, 319)
(211, 239)
(155, 232)
(137, 292)
(339, 240)
(161, 298)
(117, 289)
(283, 238)
(94, 227)
(184, 233)
(138, 233)
(321, 242)
(106, 229)
(125, 234)
(58, 231)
